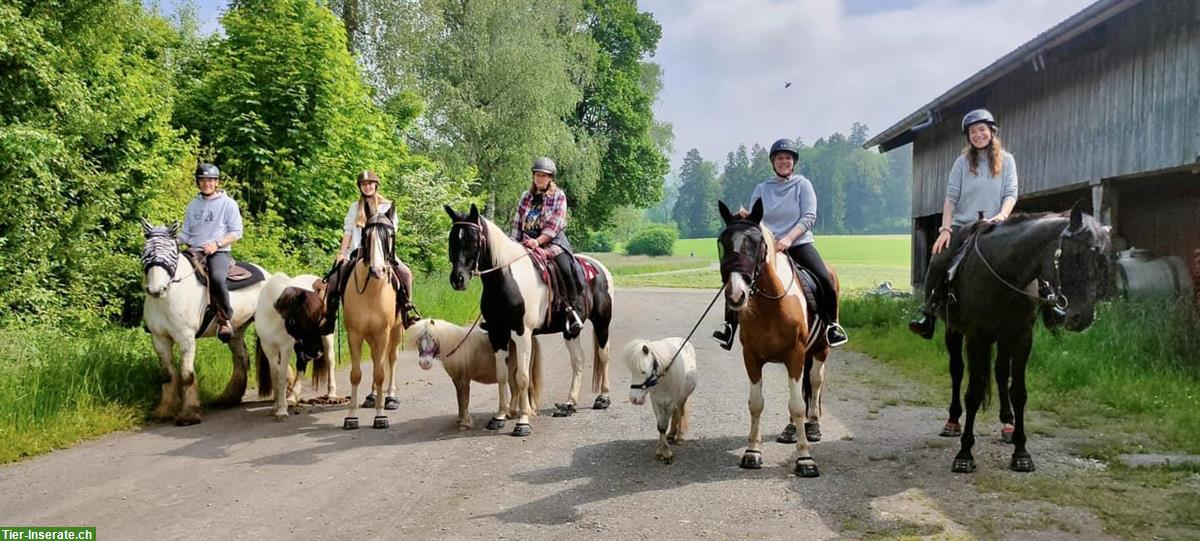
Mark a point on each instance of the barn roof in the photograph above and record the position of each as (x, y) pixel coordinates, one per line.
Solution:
(905, 131)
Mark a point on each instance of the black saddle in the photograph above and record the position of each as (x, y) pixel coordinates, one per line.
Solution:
(241, 274)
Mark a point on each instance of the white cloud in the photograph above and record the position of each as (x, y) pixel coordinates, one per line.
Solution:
(725, 63)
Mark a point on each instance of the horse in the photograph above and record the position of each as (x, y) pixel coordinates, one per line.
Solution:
(988, 303)
(369, 314)
(174, 315)
(290, 314)
(467, 356)
(776, 326)
(670, 391)
(516, 304)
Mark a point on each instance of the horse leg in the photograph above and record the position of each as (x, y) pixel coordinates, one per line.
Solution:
(329, 349)
(523, 351)
(1003, 369)
(1022, 461)
(575, 348)
(280, 375)
(189, 414)
(356, 343)
(390, 402)
(502, 383)
(662, 414)
(815, 376)
(462, 391)
(805, 465)
(600, 359)
(678, 422)
(954, 346)
(752, 458)
(979, 354)
(380, 357)
(236, 388)
(168, 405)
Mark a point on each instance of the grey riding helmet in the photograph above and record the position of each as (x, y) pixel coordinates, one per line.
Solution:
(545, 165)
(785, 145)
(207, 170)
(977, 116)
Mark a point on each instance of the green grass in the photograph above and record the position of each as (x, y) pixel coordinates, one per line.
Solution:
(629, 265)
(58, 389)
(1133, 378)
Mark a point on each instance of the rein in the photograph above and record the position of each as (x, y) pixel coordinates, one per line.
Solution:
(464, 338)
(754, 289)
(655, 376)
(482, 241)
(1055, 296)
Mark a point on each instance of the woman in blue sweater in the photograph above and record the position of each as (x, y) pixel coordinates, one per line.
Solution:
(789, 212)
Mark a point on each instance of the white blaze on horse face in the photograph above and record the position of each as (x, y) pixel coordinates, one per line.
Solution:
(157, 281)
(426, 346)
(378, 264)
(738, 291)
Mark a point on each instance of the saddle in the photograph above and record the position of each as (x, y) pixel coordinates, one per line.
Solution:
(336, 280)
(240, 275)
(549, 272)
(962, 249)
(812, 290)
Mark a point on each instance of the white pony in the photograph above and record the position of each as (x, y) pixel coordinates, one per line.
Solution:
(467, 358)
(173, 312)
(290, 312)
(668, 382)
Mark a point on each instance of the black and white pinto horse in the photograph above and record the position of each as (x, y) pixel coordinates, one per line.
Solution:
(516, 305)
(992, 304)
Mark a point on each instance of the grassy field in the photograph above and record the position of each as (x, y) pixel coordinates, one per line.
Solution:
(862, 262)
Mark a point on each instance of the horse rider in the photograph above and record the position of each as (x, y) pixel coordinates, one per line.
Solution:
(541, 222)
(211, 224)
(789, 212)
(983, 182)
(352, 226)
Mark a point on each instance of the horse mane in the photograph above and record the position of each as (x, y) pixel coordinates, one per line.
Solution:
(504, 250)
(447, 335)
(1022, 217)
(633, 358)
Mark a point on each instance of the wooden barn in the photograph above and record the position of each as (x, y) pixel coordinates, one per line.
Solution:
(1102, 108)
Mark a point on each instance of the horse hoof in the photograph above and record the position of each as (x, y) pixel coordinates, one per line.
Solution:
(495, 424)
(805, 467)
(666, 459)
(522, 430)
(279, 418)
(788, 435)
(751, 460)
(1006, 433)
(391, 403)
(812, 432)
(1022, 464)
(564, 410)
(351, 423)
(963, 465)
(187, 418)
(951, 430)
(381, 421)
(369, 401)
(602, 403)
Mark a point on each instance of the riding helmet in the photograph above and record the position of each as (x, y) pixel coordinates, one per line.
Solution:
(207, 170)
(977, 116)
(545, 165)
(785, 145)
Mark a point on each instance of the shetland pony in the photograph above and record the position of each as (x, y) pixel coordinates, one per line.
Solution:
(467, 358)
(669, 383)
(289, 315)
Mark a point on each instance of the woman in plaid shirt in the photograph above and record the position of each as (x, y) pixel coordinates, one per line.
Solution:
(541, 222)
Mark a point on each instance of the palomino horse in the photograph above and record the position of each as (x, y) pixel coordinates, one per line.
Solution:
(516, 304)
(289, 318)
(173, 313)
(467, 356)
(1067, 253)
(775, 324)
(369, 313)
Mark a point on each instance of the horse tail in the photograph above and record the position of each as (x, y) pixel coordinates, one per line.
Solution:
(535, 376)
(263, 375)
(684, 415)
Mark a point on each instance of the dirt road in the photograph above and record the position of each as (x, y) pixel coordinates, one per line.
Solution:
(238, 475)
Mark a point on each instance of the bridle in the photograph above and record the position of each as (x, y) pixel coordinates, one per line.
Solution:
(160, 251)
(480, 244)
(1053, 295)
(741, 261)
(655, 375)
(378, 221)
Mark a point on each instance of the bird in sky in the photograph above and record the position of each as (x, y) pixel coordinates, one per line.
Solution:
(787, 84)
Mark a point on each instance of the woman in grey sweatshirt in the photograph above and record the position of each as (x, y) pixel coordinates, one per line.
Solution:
(983, 182)
(789, 212)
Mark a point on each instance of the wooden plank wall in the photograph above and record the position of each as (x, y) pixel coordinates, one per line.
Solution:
(1117, 100)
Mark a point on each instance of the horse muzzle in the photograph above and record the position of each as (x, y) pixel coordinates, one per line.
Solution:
(637, 398)
(426, 362)
(458, 280)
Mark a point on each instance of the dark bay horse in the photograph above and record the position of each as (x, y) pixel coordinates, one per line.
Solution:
(991, 302)
(516, 305)
(765, 290)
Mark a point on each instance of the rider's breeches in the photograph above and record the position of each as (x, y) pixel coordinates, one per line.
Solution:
(218, 270)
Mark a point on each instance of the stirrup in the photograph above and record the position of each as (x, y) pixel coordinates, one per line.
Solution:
(574, 323)
(723, 335)
(836, 335)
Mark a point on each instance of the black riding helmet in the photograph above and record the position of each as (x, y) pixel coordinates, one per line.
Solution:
(785, 145)
(545, 165)
(977, 116)
(207, 170)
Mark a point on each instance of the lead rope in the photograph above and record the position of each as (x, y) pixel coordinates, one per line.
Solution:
(694, 327)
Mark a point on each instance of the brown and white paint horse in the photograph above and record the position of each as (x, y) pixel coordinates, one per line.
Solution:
(761, 285)
(289, 318)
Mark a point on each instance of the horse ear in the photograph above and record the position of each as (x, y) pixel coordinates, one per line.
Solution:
(724, 210)
(1076, 218)
(146, 227)
(645, 349)
(174, 229)
(756, 213)
(474, 216)
(453, 215)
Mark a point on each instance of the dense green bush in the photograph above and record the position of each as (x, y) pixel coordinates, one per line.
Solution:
(653, 240)
(598, 241)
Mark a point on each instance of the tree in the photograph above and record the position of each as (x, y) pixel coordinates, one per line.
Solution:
(737, 180)
(696, 209)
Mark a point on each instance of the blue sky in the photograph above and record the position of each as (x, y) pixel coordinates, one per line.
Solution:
(725, 62)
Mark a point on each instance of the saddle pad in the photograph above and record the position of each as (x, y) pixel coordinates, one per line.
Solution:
(589, 272)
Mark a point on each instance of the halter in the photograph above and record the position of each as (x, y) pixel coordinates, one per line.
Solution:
(741, 261)
(1054, 296)
(655, 375)
(480, 244)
